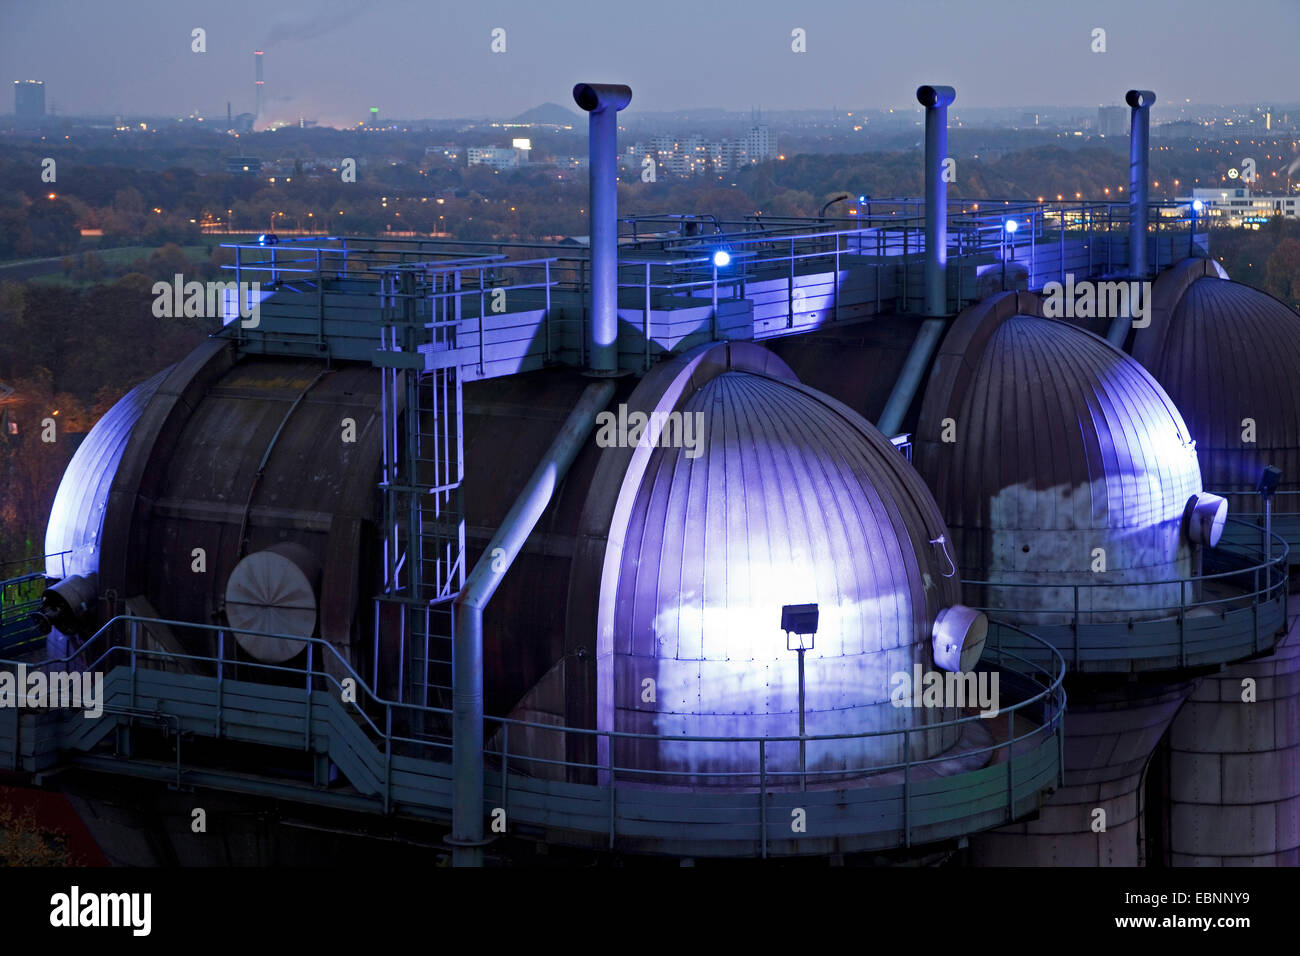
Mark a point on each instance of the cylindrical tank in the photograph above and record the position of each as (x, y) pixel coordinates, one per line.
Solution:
(1228, 355)
(1056, 460)
(1234, 766)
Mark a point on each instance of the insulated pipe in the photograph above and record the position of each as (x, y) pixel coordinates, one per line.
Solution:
(1139, 176)
(936, 100)
(467, 642)
(603, 101)
(909, 379)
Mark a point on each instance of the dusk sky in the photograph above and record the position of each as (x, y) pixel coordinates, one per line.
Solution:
(331, 60)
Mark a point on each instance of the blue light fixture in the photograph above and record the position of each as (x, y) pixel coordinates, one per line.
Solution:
(1010, 225)
(1197, 205)
(721, 258)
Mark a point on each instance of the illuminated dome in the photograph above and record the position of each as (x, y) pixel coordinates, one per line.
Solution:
(1055, 458)
(73, 534)
(790, 498)
(1229, 355)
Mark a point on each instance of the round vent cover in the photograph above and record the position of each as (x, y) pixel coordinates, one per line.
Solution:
(273, 591)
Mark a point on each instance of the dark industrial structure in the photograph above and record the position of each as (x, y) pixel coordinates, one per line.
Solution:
(542, 546)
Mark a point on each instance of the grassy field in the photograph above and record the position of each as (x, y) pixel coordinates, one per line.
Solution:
(49, 271)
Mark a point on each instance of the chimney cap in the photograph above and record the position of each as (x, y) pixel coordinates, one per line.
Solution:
(1139, 98)
(594, 97)
(932, 96)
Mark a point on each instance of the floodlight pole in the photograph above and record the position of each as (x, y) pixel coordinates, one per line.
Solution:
(1003, 257)
(803, 744)
(1268, 530)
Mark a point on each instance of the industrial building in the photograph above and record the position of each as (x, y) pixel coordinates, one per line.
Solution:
(29, 102)
(1237, 206)
(620, 549)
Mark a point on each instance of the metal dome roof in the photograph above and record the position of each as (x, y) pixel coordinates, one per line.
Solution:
(1053, 432)
(1228, 353)
(789, 498)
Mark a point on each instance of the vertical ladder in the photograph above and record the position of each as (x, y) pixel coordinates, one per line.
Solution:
(423, 468)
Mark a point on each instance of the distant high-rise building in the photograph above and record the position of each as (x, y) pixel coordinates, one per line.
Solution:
(29, 102)
(759, 144)
(1113, 120)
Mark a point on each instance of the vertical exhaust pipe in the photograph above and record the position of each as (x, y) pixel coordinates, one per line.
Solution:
(1139, 178)
(602, 101)
(936, 100)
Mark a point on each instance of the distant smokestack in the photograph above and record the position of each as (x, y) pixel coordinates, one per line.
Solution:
(257, 66)
(230, 123)
(936, 100)
(602, 101)
(1139, 176)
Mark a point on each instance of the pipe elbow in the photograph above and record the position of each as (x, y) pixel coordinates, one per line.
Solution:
(594, 97)
(935, 96)
(1139, 99)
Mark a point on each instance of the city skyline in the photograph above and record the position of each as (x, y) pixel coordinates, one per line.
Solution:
(322, 62)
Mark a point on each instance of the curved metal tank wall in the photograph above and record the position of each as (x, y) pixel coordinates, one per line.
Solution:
(73, 533)
(1234, 766)
(1043, 443)
(789, 499)
(1097, 818)
(231, 457)
(1227, 353)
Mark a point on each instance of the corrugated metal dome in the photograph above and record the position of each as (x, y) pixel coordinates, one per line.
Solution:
(788, 498)
(1043, 443)
(1227, 354)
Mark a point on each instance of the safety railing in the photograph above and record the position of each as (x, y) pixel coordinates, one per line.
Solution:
(1011, 759)
(22, 588)
(1282, 516)
(1120, 623)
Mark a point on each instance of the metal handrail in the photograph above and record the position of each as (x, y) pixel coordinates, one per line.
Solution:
(1276, 562)
(1052, 690)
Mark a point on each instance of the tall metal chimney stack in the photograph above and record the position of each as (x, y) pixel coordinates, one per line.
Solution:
(257, 65)
(1139, 178)
(936, 100)
(602, 101)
